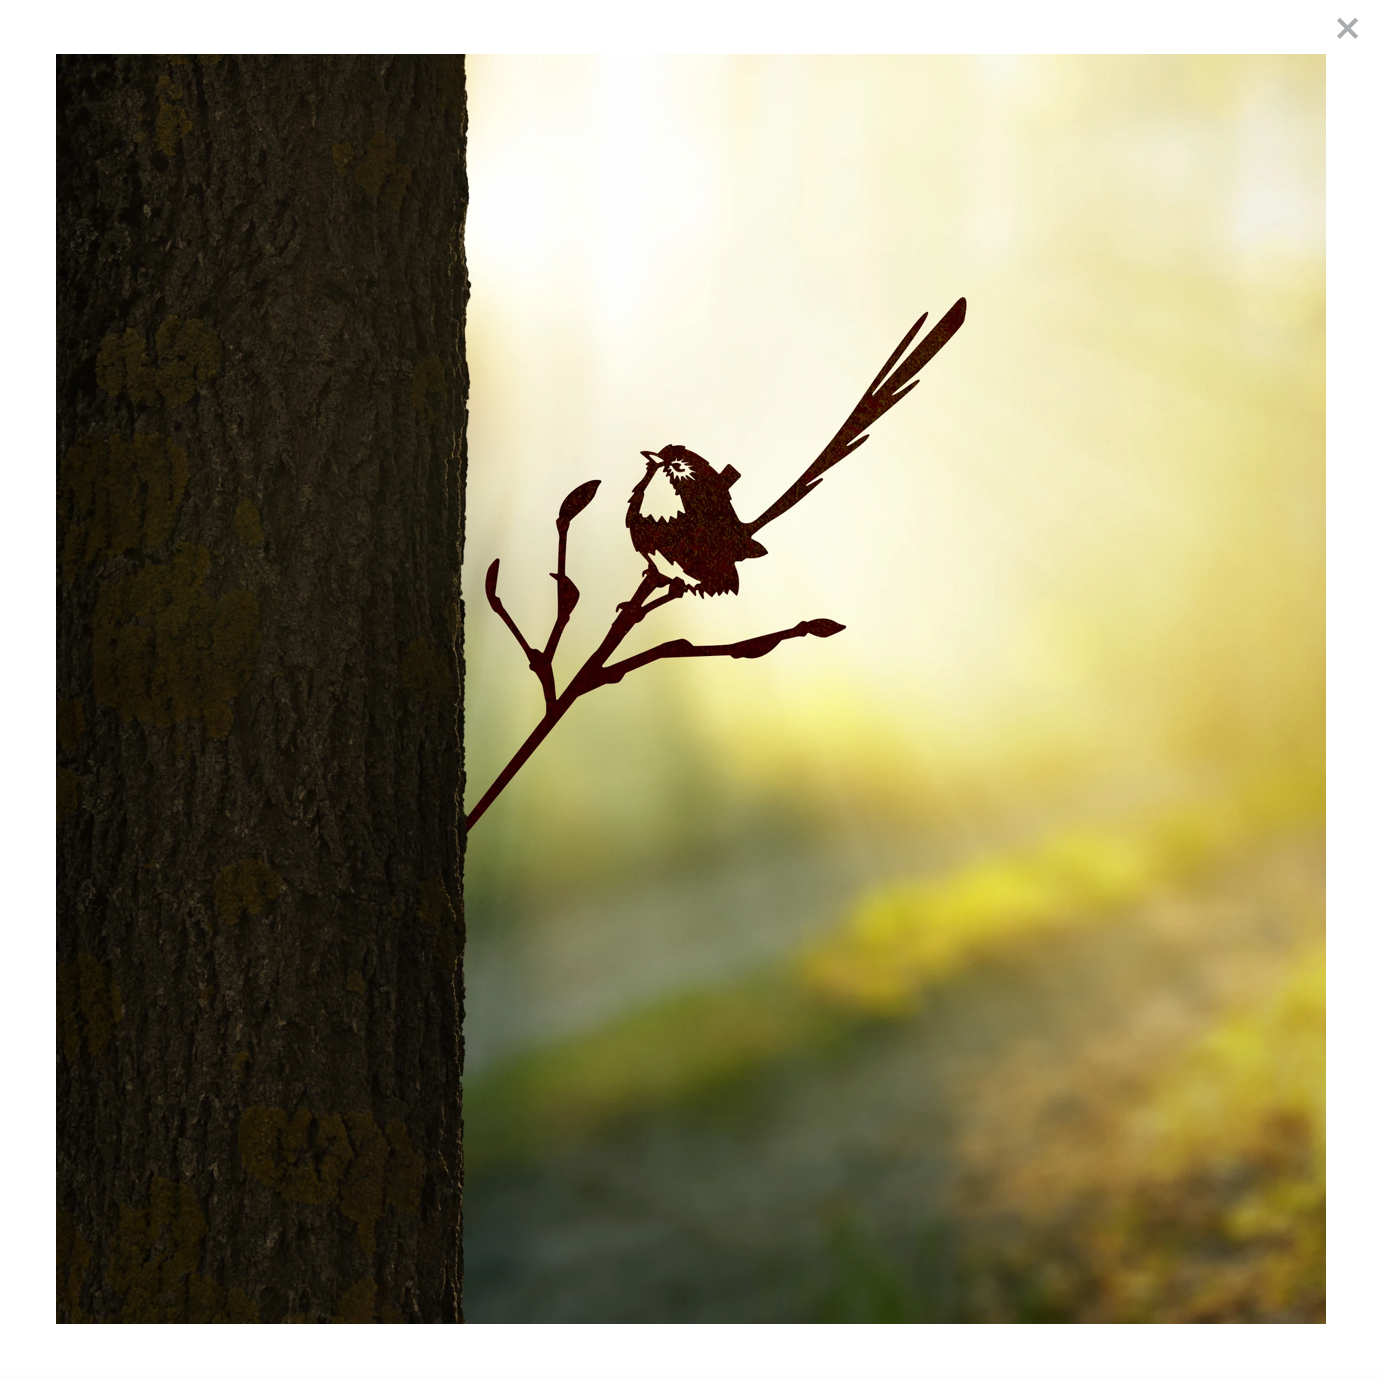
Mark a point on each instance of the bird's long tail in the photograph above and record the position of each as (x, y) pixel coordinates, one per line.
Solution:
(892, 384)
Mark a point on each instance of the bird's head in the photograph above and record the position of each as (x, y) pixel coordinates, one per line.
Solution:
(681, 466)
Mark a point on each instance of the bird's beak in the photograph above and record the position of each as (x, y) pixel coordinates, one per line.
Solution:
(652, 456)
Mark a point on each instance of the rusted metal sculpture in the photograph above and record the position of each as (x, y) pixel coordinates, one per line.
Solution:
(694, 551)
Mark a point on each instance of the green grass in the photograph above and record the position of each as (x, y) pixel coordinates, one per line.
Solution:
(681, 1052)
(895, 946)
(900, 941)
(1212, 1206)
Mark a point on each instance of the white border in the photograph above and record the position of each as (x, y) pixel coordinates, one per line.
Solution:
(707, 26)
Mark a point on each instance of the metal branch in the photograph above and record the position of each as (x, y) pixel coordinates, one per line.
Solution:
(749, 647)
(567, 595)
(629, 615)
(595, 673)
(891, 384)
(678, 588)
(540, 664)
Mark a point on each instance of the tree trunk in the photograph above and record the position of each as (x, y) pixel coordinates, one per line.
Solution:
(261, 394)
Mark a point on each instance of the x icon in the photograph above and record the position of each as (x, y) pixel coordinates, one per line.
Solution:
(1348, 27)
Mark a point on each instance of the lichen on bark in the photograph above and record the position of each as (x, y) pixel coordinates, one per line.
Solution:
(425, 675)
(88, 1006)
(190, 352)
(245, 887)
(165, 650)
(326, 1158)
(437, 913)
(115, 495)
(155, 1263)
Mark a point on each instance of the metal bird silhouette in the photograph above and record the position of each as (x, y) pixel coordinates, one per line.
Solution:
(706, 539)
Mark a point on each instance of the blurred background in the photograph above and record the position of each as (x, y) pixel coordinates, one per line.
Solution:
(966, 965)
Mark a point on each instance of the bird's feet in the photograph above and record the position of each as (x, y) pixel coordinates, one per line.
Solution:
(651, 573)
(675, 588)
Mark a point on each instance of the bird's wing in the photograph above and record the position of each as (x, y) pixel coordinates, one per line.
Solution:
(886, 390)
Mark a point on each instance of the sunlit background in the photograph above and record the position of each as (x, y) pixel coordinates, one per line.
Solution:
(1045, 816)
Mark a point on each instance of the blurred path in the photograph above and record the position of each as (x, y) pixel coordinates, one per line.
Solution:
(572, 968)
(737, 1212)
(545, 976)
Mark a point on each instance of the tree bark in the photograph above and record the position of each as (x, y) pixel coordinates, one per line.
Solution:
(261, 394)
